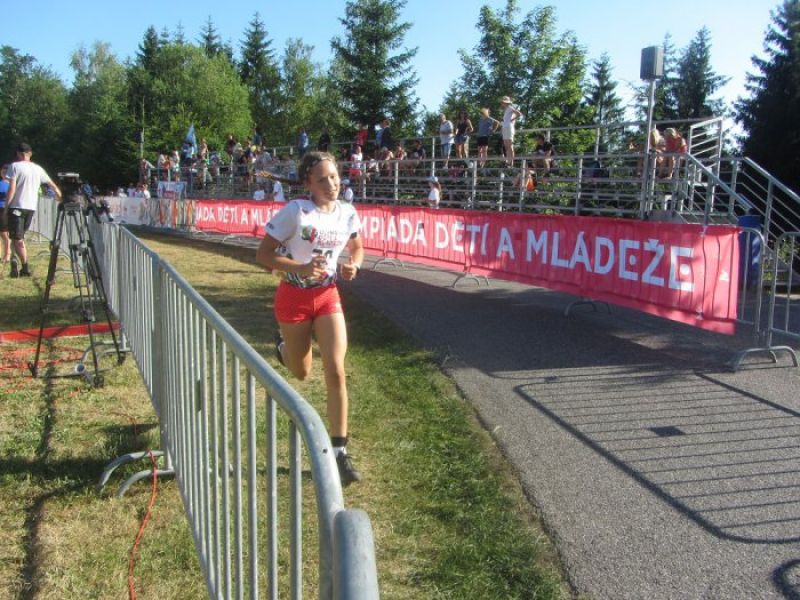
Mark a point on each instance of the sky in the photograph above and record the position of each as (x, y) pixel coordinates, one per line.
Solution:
(53, 30)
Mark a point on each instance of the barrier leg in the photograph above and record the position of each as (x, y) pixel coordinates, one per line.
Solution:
(581, 302)
(476, 278)
(129, 458)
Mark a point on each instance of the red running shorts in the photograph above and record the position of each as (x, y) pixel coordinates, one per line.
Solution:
(295, 305)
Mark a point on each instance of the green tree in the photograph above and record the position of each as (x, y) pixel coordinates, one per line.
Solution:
(603, 102)
(377, 77)
(259, 72)
(527, 60)
(148, 48)
(209, 39)
(696, 81)
(189, 87)
(33, 107)
(100, 136)
(769, 115)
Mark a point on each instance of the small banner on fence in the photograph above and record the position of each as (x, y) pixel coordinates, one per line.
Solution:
(688, 273)
(172, 190)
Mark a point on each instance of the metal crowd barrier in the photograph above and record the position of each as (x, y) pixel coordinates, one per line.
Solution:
(783, 311)
(232, 432)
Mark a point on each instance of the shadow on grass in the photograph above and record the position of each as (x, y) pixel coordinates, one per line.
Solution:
(59, 478)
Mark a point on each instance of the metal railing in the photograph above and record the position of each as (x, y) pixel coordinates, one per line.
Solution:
(218, 403)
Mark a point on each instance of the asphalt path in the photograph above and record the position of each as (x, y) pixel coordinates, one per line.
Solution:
(658, 472)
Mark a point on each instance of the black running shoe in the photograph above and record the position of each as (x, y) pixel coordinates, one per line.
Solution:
(278, 342)
(347, 472)
(14, 268)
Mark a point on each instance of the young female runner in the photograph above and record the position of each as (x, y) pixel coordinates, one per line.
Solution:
(304, 241)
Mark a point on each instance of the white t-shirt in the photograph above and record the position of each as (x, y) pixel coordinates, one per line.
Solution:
(433, 198)
(304, 232)
(277, 192)
(508, 123)
(348, 195)
(259, 195)
(29, 177)
(446, 133)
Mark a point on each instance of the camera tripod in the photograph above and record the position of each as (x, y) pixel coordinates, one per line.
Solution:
(72, 217)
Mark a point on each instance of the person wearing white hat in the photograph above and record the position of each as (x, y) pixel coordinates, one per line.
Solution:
(510, 115)
(435, 194)
(347, 191)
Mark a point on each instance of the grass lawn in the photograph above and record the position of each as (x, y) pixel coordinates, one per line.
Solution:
(448, 515)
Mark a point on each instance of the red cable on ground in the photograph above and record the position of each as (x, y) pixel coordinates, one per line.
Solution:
(131, 562)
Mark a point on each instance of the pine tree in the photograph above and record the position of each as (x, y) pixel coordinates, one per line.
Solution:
(259, 72)
(602, 100)
(148, 48)
(696, 82)
(209, 39)
(378, 80)
(770, 116)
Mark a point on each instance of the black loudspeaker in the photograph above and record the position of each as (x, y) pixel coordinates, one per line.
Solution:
(652, 65)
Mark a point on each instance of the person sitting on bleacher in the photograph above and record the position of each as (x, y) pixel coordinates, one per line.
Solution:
(673, 144)
(544, 152)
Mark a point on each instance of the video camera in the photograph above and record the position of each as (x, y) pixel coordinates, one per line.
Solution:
(78, 195)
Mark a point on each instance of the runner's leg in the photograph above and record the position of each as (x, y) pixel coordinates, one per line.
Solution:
(297, 348)
(331, 334)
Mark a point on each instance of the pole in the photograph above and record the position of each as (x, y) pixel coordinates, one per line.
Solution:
(651, 98)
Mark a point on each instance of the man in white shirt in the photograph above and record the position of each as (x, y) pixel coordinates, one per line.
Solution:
(347, 191)
(277, 191)
(24, 180)
(510, 115)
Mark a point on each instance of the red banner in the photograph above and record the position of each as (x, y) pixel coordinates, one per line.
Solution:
(683, 272)
(241, 217)
(687, 273)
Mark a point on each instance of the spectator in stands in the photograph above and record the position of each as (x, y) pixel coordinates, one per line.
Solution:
(230, 145)
(277, 191)
(202, 150)
(324, 140)
(385, 157)
(307, 301)
(544, 152)
(434, 193)
(371, 168)
(361, 136)
(446, 137)
(145, 169)
(260, 193)
(142, 191)
(302, 143)
(162, 166)
(347, 191)
(530, 177)
(674, 144)
(463, 129)
(356, 164)
(4, 239)
(510, 116)
(387, 139)
(175, 165)
(418, 154)
(657, 147)
(486, 127)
